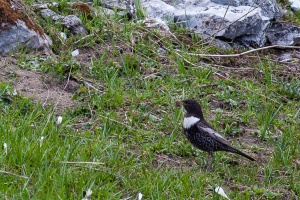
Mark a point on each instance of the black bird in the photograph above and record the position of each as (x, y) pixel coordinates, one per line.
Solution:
(201, 134)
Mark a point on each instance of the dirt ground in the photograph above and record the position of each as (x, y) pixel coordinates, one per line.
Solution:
(38, 86)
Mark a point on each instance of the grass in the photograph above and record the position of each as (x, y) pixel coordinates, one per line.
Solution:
(126, 136)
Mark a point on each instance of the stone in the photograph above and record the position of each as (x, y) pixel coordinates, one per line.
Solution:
(244, 20)
(285, 34)
(74, 24)
(50, 14)
(19, 30)
(269, 8)
(155, 23)
(295, 5)
(126, 6)
(114, 4)
(71, 22)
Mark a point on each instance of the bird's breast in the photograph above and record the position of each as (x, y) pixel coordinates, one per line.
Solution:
(188, 122)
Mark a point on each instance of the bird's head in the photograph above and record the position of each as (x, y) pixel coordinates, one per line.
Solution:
(192, 107)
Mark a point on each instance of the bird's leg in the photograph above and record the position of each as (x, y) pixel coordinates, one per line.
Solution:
(211, 159)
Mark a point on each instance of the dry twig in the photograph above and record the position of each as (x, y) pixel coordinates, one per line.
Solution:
(10, 173)
(244, 53)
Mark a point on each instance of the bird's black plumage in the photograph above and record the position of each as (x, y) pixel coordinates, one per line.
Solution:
(201, 134)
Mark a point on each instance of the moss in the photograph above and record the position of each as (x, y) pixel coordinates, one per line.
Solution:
(82, 8)
(9, 16)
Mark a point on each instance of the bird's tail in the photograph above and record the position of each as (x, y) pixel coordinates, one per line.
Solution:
(234, 150)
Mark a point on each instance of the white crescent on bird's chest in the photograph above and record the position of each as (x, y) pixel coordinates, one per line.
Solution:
(190, 121)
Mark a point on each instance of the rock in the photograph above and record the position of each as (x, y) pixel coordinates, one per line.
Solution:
(104, 11)
(285, 34)
(295, 5)
(18, 28)
(123, 7)
(71, 22)
(74, 24)
(155, 23)
(244, 20)
(75, 53)
(215, 42)
(115, 4)
(159, 9)
(49, 14)
(269, 8)
(39, 6)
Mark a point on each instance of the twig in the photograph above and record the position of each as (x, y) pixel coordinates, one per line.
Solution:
(233, 68)
(93, 163)
(148, 76)
(83, 38)
(17, 175)
(91, 86)
(47, 94)
(68, 135)
(87, 83)
(130, 127)
(220, 26)
(80, 124)
(68, 80)
(244, 53)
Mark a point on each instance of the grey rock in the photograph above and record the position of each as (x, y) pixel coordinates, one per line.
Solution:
(50, 14)
(229, 2)
(115, 4)
(74, 24)
(40, 6)
(211, 21)
(159, 9)
(71, 22)
(126, 6)
(285, 34)
(104, 11)
(155, 23)
(295, 5)
(245, 20)
(284, 57)
(215, 42)
(20, 35)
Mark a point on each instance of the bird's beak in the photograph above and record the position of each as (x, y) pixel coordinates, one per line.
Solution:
(179, 103)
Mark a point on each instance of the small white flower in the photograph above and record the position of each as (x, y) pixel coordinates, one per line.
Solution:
(41, 141)
(221, 192)
(63, 36)
(75, 53)
(88, 194)
(15, 92)
(59, 120)
(5, 148)
(139, 196)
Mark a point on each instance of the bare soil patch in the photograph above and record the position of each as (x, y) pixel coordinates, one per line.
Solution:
(39, 86)
(173, 161)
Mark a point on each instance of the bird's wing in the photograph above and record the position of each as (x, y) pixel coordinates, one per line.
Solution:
(207, 129)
